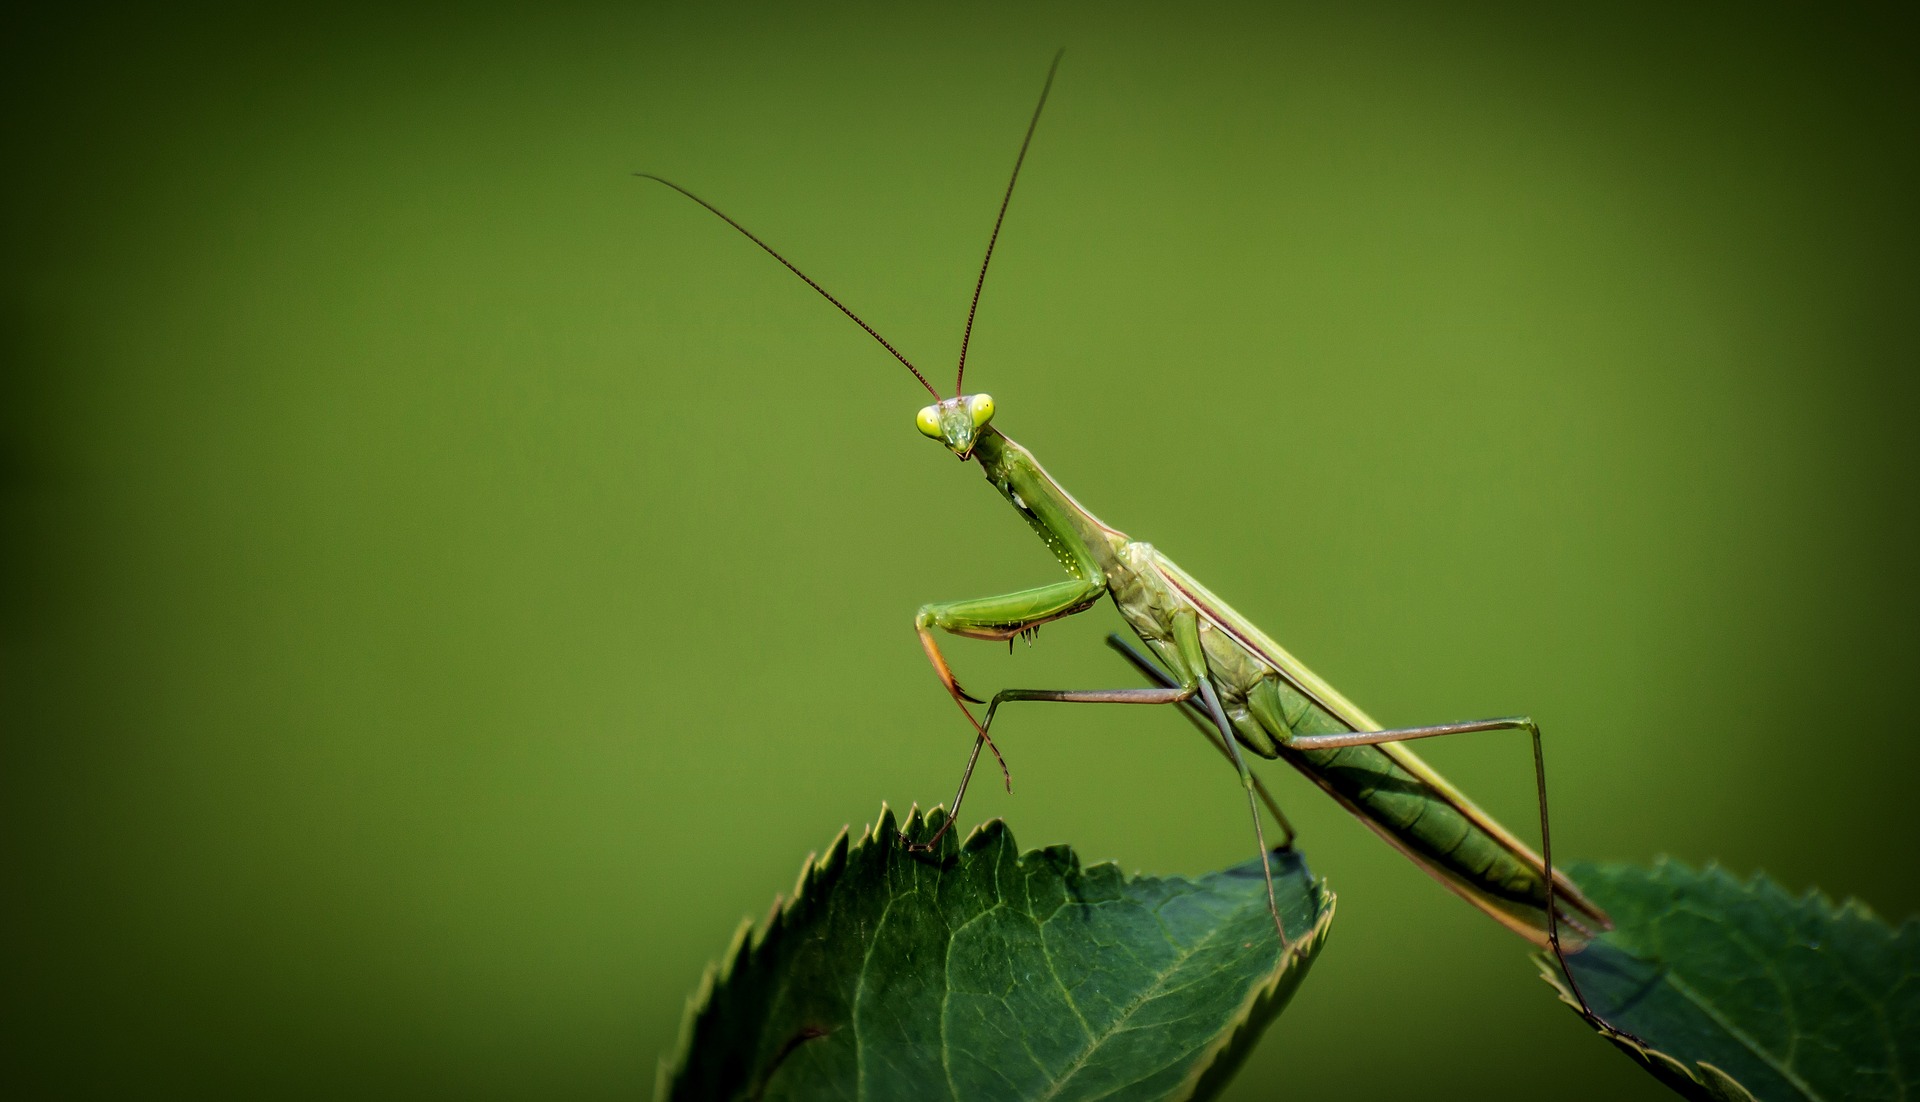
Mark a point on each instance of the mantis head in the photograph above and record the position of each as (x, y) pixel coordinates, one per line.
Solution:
(956, 422)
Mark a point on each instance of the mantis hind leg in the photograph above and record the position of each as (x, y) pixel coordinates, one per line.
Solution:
(1509, 723)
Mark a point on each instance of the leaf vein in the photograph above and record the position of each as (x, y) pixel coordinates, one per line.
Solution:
(1741, 1035)
(1134, 1007)
(860, 994)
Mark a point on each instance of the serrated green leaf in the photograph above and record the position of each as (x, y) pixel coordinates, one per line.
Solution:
(1724, 990)
(979, 972)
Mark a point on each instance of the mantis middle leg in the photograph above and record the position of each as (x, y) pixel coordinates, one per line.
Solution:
(1194, 683)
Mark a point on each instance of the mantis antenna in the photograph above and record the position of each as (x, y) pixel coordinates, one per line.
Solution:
(804, 276)
(1004, 200)
(973, 307)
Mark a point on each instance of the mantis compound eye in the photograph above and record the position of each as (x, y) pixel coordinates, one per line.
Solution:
(928, 422)
(980, 408)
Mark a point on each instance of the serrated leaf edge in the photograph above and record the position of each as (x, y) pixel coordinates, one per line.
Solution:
(1713, 1082)
(1249, 1019)
(1812, 901)
(817, 873)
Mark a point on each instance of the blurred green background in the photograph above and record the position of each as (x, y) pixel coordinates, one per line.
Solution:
(449, 582)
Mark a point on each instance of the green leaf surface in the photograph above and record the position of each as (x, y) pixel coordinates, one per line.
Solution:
(979, 972)
(1725, 990)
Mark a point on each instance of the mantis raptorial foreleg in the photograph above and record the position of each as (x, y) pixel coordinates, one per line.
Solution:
(1001, 617)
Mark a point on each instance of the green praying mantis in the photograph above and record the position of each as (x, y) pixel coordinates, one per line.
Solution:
(1243, 690)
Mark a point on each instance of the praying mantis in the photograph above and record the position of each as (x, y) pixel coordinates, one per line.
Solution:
(1243, 690)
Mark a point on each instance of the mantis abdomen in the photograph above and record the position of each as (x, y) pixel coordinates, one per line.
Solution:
(1274, 702)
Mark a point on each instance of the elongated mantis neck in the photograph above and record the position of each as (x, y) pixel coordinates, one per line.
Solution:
(1085, 545)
